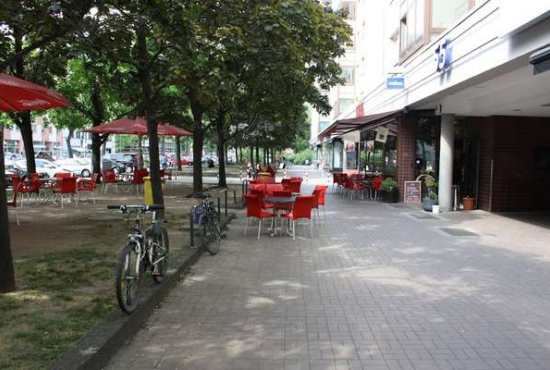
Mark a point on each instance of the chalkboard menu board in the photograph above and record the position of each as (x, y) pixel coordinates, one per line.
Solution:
(413, 192)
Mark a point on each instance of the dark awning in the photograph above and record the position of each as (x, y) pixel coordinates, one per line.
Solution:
(344, 126)
(541, 60)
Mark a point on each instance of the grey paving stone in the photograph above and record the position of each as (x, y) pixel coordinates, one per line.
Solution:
(374, 289)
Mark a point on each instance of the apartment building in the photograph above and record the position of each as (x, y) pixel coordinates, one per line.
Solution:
(342, 97)
(454, 89)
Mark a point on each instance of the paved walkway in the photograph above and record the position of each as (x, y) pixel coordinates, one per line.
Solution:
(377, 288)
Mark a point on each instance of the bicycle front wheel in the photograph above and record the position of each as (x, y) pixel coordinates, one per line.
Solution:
(129, 272)
(161, 252)
(212, 235)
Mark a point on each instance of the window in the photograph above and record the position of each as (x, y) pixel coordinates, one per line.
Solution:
(350, 9)
(446, 12)
(344, 105)
(323, 125)
(411, 27)
(348, 74)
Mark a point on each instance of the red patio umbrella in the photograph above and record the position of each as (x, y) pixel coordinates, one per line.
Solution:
(20, 95)
(136, 126)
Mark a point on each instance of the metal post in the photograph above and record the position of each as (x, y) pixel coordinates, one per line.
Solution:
(219, 213)
(192, 227)
(225, 202)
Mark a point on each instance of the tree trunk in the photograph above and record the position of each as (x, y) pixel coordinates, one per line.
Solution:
(7, 278)
(96, 153)
(68, 140)
(178, 153)
(97, 140)
(265, 156)
(222, 181)
(198, 142)
(24, 124)
(148, 104)
(198, 139)
(251, 155)
(258, 154)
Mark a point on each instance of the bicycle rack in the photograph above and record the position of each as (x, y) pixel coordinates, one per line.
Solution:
(219, 204)
(244, 188)
(192, 226)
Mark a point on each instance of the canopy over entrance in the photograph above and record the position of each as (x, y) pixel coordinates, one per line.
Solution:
(344, 126)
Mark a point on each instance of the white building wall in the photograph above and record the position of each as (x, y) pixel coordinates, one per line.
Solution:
(486, 42)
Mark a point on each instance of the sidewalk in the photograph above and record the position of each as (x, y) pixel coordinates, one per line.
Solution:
(379, 287)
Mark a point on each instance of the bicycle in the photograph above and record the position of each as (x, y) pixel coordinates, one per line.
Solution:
(211, 231)
(144, 248)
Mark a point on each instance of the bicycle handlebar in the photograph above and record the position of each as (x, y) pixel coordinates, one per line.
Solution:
(140, 207)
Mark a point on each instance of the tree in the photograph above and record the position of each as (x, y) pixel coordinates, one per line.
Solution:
(268, 72)
(49, 22)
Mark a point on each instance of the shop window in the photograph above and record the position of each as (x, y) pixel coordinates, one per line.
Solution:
(542, 159)
(378, 153)
(427, 146)
(351, 156)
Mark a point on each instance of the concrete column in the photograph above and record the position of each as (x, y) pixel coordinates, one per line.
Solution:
(446, 162)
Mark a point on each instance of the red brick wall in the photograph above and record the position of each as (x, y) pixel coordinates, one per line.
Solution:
(406, 148)
(511, 142)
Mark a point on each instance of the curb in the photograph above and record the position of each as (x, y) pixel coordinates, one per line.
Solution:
(95, 350)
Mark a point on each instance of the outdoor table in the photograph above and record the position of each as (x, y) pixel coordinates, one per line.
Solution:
(279, 203)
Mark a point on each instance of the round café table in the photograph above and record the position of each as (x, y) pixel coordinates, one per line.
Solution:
(279, 203)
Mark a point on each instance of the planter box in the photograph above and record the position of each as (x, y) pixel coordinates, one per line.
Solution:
(427, 204)
(391, 196)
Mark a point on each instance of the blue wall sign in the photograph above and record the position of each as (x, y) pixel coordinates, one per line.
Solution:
(444, 55)
(395, 83)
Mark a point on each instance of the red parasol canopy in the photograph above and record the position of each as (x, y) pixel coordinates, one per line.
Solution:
(20, 95)
(136, 126)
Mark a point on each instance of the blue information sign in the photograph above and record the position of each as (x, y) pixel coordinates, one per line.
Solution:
(395, 83)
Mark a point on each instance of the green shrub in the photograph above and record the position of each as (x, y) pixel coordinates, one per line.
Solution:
(388, 184)
(301, 157)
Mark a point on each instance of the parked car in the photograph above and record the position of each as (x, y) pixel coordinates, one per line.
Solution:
(44, 168)
(49, 156)
(129, 160)
(10, 170)
(108, 164)
(78, 166)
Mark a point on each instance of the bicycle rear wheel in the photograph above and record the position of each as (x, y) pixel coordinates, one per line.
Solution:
(212, 235)
(162, 250)
(129, 272)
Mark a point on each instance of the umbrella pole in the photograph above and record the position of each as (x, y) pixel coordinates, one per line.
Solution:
(140, 165)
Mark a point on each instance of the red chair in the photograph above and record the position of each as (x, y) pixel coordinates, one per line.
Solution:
(13, 203)
(24, 187)
(375, 186)
(261, 195)
(88, 185)
(65, 187)
(301, 210)
(109, 179)
(322, 196)
(62, 175)
(295, 184)
(137, 180)
(254, 210)
(335, 179)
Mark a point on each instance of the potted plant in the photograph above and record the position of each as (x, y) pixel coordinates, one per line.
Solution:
(390, 191)
(431, 198)
(468, 203)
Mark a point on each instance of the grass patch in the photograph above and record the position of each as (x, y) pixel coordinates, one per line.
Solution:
(60, 297)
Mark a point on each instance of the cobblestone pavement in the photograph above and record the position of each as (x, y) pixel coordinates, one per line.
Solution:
(376, 288)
